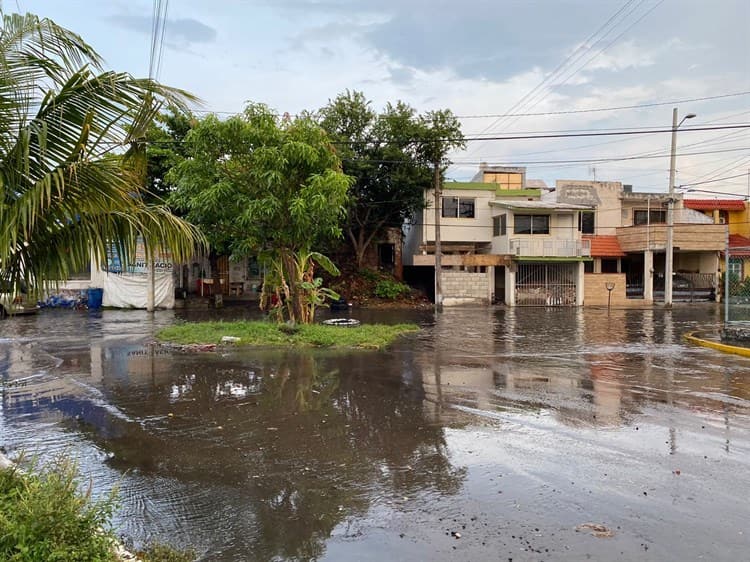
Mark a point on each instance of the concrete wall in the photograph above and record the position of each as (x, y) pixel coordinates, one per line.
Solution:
(605, 195)
(595, 289)
(478, 229)
(463, 287)
(696, 263)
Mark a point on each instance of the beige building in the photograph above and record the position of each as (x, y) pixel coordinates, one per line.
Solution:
(510, 239)
(502, 240)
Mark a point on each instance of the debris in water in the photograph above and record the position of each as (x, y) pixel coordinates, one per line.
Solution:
(229, 339)
(596, 529)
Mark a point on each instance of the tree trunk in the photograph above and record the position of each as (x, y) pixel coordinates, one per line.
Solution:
(295, 303)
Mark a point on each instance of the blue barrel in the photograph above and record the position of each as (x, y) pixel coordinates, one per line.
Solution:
(95, 298)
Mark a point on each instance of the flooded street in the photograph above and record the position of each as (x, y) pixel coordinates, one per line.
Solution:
(493, 434)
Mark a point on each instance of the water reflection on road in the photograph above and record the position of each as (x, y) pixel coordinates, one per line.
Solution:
(509, 427)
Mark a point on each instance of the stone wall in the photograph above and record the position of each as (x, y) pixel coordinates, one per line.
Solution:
(463, 287)
(595, 290)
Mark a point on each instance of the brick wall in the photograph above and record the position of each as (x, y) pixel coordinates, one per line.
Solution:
(595, 290)
(463, 287)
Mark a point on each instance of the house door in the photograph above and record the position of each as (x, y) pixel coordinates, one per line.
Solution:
(546, 284)
(387, 256)
(222, 264)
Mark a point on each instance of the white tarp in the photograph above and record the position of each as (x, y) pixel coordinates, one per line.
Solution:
(131, 291)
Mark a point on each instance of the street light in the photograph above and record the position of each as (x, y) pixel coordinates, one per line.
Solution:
(669, 258)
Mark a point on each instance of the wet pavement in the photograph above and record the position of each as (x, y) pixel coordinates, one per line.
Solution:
(493, 434)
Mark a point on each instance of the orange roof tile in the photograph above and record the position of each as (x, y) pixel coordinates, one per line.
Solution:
(718, 204)
(739, 246)
(605, 247)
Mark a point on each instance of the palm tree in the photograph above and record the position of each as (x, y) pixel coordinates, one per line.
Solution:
(72, 157)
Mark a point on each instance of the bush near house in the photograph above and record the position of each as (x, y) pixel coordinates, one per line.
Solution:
(370, 287)
(45, 517)
(387, 289)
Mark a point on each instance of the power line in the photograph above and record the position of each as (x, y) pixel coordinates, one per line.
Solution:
(575, 55)
(593, 57)
(597, 133)
(714, 180)
(603, 109)
(614, 159)
(546, 113)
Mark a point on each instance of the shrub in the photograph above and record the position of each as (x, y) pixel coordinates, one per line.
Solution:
(388, 289)
(158, 552)
(369, 274)
(45, 517)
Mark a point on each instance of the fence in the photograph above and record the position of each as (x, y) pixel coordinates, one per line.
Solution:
(735, 285)
(546, 284)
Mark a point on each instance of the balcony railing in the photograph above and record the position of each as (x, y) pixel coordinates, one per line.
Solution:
(550, 248)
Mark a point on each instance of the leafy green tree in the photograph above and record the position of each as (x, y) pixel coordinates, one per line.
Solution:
(165, 149)
(387, 156)
(441, 133)
(72, 156)
(258, 184)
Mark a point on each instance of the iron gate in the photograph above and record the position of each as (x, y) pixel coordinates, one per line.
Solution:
(546, 284)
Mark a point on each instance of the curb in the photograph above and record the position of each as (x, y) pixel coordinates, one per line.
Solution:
(725, 348)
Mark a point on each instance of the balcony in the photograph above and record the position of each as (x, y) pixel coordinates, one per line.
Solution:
(549, 248)
(687, 237)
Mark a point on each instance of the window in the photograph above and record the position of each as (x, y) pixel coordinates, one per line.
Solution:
(586, 222)
(735, 269)
(609, 266)
(531, 224)
(458, 207)
(499, 225)
(505, 180)
(642, 216)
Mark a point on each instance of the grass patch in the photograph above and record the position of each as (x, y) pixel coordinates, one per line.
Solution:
(366, 336)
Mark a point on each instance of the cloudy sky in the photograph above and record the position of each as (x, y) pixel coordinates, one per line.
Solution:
(551, 61)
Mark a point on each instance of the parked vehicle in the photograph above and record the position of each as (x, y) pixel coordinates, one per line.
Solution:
(15, 302)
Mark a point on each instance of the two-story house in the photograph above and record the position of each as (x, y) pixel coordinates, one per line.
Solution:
(503, 238)
(509, 239)
(628, 232)
(736, 215)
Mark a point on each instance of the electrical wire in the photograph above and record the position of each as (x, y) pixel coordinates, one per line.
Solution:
(607, 46)
(580, 51)
(604, 109)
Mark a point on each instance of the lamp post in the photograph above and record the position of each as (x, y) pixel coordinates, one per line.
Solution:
(610, 287)
(669, 258)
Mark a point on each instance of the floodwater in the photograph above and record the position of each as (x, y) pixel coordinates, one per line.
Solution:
(493, 434)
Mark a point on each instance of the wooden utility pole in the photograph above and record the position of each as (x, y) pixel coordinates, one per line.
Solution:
(438, 249)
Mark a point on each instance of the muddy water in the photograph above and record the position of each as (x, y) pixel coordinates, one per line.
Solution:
(511, 429)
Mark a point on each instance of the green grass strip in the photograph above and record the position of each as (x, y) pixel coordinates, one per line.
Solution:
(366, 336)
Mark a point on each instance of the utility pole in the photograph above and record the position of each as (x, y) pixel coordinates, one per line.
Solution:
(726, 278)
(150, 282)
(669, 257)
(438, 249)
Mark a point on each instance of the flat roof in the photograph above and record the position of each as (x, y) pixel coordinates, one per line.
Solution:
(540, 205)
